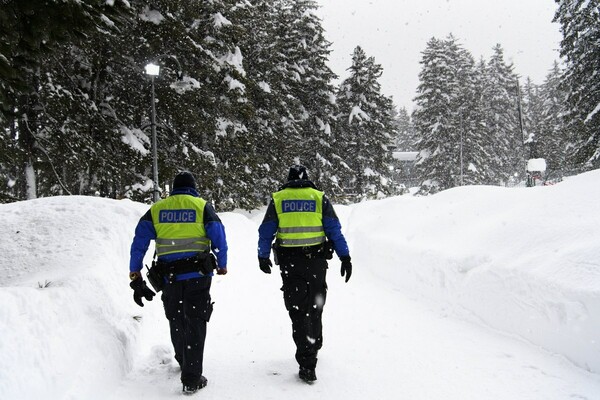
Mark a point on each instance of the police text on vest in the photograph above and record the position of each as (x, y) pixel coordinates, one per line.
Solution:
(176, 216)
(298, 206)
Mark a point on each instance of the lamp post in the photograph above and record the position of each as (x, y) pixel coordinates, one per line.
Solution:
(153, 70)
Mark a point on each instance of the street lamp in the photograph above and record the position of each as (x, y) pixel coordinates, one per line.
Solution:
(153, 70)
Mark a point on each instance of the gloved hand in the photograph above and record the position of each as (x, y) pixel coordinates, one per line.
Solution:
(346, 267)
(141, 290)
(265, 265)
(221, 270)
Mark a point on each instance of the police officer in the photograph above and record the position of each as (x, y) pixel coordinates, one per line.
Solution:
(185, 228)
(301, 220)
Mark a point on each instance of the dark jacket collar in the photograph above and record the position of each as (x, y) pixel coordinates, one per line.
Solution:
(298, 183)
(185, 190)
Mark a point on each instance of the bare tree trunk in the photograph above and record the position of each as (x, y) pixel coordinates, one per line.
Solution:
(30, 180)
(27, 130)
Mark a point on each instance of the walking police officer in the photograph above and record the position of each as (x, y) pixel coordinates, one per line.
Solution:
(304, 225)
(185, 229)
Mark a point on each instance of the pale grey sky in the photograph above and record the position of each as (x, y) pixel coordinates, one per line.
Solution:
(395, 32)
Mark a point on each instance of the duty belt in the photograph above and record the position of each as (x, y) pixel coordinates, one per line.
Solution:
(203, 263)
(323, 250)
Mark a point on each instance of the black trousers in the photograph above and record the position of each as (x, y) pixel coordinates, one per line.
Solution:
(188, 308)
(304, 293)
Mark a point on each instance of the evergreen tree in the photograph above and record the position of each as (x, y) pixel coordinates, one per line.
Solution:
(235, 173)
(97, 140)
(478, 145)
(269, 125)
(555, 140)
(32, 35)
(447, 118)
(31, 29)
(201, 94)
(8, 162)
(431, 114)
(312, 87)
(531, 104)
(243, 91)
(365, 128)
(581, 49)
(469, 119)
(290, 88)
(507, 155)
(405, 130)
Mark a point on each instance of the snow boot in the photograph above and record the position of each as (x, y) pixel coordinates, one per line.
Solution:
(191, 389)
(307, 374)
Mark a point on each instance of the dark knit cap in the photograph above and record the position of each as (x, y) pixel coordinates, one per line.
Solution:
(184, 179)
(297, 172)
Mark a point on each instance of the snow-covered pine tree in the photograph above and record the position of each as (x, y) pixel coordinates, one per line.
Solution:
(430, 115)
(365, 128)
(581, 49)
(312, 86)
(555, 140)
(200, 111)
(235, 173)
(532, 118)
(32, 34)
(33, 29)
(81, 138)
(270, 45)
(471, 118)
(9, 155)
(405, 131)
(447, 118)
(290, 88)
(264, 123)
(506, 150)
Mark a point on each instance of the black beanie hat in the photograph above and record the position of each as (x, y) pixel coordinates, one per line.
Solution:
(297, 172)
(184, 179)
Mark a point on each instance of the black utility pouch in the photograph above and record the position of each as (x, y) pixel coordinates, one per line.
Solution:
(207, 263)
(328, 249)
(275, 248)
(155, 278)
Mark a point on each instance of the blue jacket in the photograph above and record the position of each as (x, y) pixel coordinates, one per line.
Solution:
(331, 225)
(145, 232)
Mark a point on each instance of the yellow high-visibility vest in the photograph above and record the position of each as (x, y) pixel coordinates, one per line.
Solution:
(179, 224)
(300, 214)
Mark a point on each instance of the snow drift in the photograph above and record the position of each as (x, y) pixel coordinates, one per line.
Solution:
(523, 260)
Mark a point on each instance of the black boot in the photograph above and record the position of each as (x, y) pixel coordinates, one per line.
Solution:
(307, 374)
(193, 388)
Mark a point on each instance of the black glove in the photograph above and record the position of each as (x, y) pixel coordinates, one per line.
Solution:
(265, 265)
(141, 290)
(222, 271)
(346, 267)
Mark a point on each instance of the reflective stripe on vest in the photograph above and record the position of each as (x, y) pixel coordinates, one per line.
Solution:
(301, 229)
(179, 224)
(166, 246)
(301, 242)
(300, 215)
